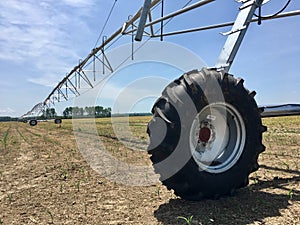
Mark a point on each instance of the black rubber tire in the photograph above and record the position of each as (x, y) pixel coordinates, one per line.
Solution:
(33, 122)
(188, 181)
(58, 121)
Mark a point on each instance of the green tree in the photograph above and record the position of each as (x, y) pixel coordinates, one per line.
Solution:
(77, 112)
(90, 110)
(98, 111)
(52, 113)
(107, 112)
(49, 113)
(68, 112)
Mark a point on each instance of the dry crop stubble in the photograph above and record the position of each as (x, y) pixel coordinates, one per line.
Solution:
(45, 180)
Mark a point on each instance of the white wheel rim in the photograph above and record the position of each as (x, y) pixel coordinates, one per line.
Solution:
(217, 137)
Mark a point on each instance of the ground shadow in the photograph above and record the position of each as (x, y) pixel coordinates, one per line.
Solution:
(249, 205)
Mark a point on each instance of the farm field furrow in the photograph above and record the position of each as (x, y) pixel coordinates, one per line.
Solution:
(46, 179)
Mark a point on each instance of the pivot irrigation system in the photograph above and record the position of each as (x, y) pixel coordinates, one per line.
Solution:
(209, 117)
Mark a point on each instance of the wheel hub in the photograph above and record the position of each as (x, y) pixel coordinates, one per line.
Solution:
(217, 137)
(204, 134)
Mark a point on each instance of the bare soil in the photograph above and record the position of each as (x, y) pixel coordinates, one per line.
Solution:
(45, 180)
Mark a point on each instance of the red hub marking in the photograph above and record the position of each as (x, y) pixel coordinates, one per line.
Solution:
(204, 134)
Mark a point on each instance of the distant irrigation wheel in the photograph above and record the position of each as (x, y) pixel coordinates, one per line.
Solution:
(221, 140)
(58, 121)
(33, 122)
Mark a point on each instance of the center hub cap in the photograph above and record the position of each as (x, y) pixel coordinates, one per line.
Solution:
(204, 134)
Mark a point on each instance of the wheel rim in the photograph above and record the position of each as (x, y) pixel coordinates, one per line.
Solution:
(217, 137)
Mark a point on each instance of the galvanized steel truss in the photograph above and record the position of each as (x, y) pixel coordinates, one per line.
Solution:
(141, 24)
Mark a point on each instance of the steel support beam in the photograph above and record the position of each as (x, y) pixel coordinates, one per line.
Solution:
(236, 35)
(143, 20)
(77, 75)
(280, 110)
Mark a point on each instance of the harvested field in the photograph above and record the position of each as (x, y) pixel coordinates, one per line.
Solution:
(44, 179)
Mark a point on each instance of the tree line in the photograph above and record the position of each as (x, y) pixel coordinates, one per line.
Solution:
(69, 112)
(79, 112)
(88, 111)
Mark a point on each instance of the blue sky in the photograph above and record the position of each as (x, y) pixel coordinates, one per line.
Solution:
(41, 41)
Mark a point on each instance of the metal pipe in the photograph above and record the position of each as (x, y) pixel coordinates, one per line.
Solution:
(197, 29)
(280, 110)
(282, 15)
(181, 11)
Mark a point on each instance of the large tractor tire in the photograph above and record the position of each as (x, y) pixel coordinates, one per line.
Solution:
(33, 122)
(205, 135)
(57, 121)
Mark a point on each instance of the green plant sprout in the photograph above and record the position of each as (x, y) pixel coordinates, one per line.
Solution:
(9, 196)
(51, 215)
(77, 185)
(4, 140)
(158, 191)
(188, 220)
(291, 193)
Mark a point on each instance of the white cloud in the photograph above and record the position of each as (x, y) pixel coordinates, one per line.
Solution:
(41, 34)
(48, 81)
(7, 111)
(78, 3)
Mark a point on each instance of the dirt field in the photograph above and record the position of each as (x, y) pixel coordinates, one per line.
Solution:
(45, 180)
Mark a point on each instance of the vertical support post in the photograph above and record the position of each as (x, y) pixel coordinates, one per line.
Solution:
(162, 22)
(78, 80)
(132, 40)
(79, 74)
(94, 67)
(236, 35)
(103, 56)
(67, 89)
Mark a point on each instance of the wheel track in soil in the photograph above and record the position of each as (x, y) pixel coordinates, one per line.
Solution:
(31, 167)
(29, 190)
(52, 136)
(29, 144)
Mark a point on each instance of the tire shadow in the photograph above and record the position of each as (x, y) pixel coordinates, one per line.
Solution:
(249, 205)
